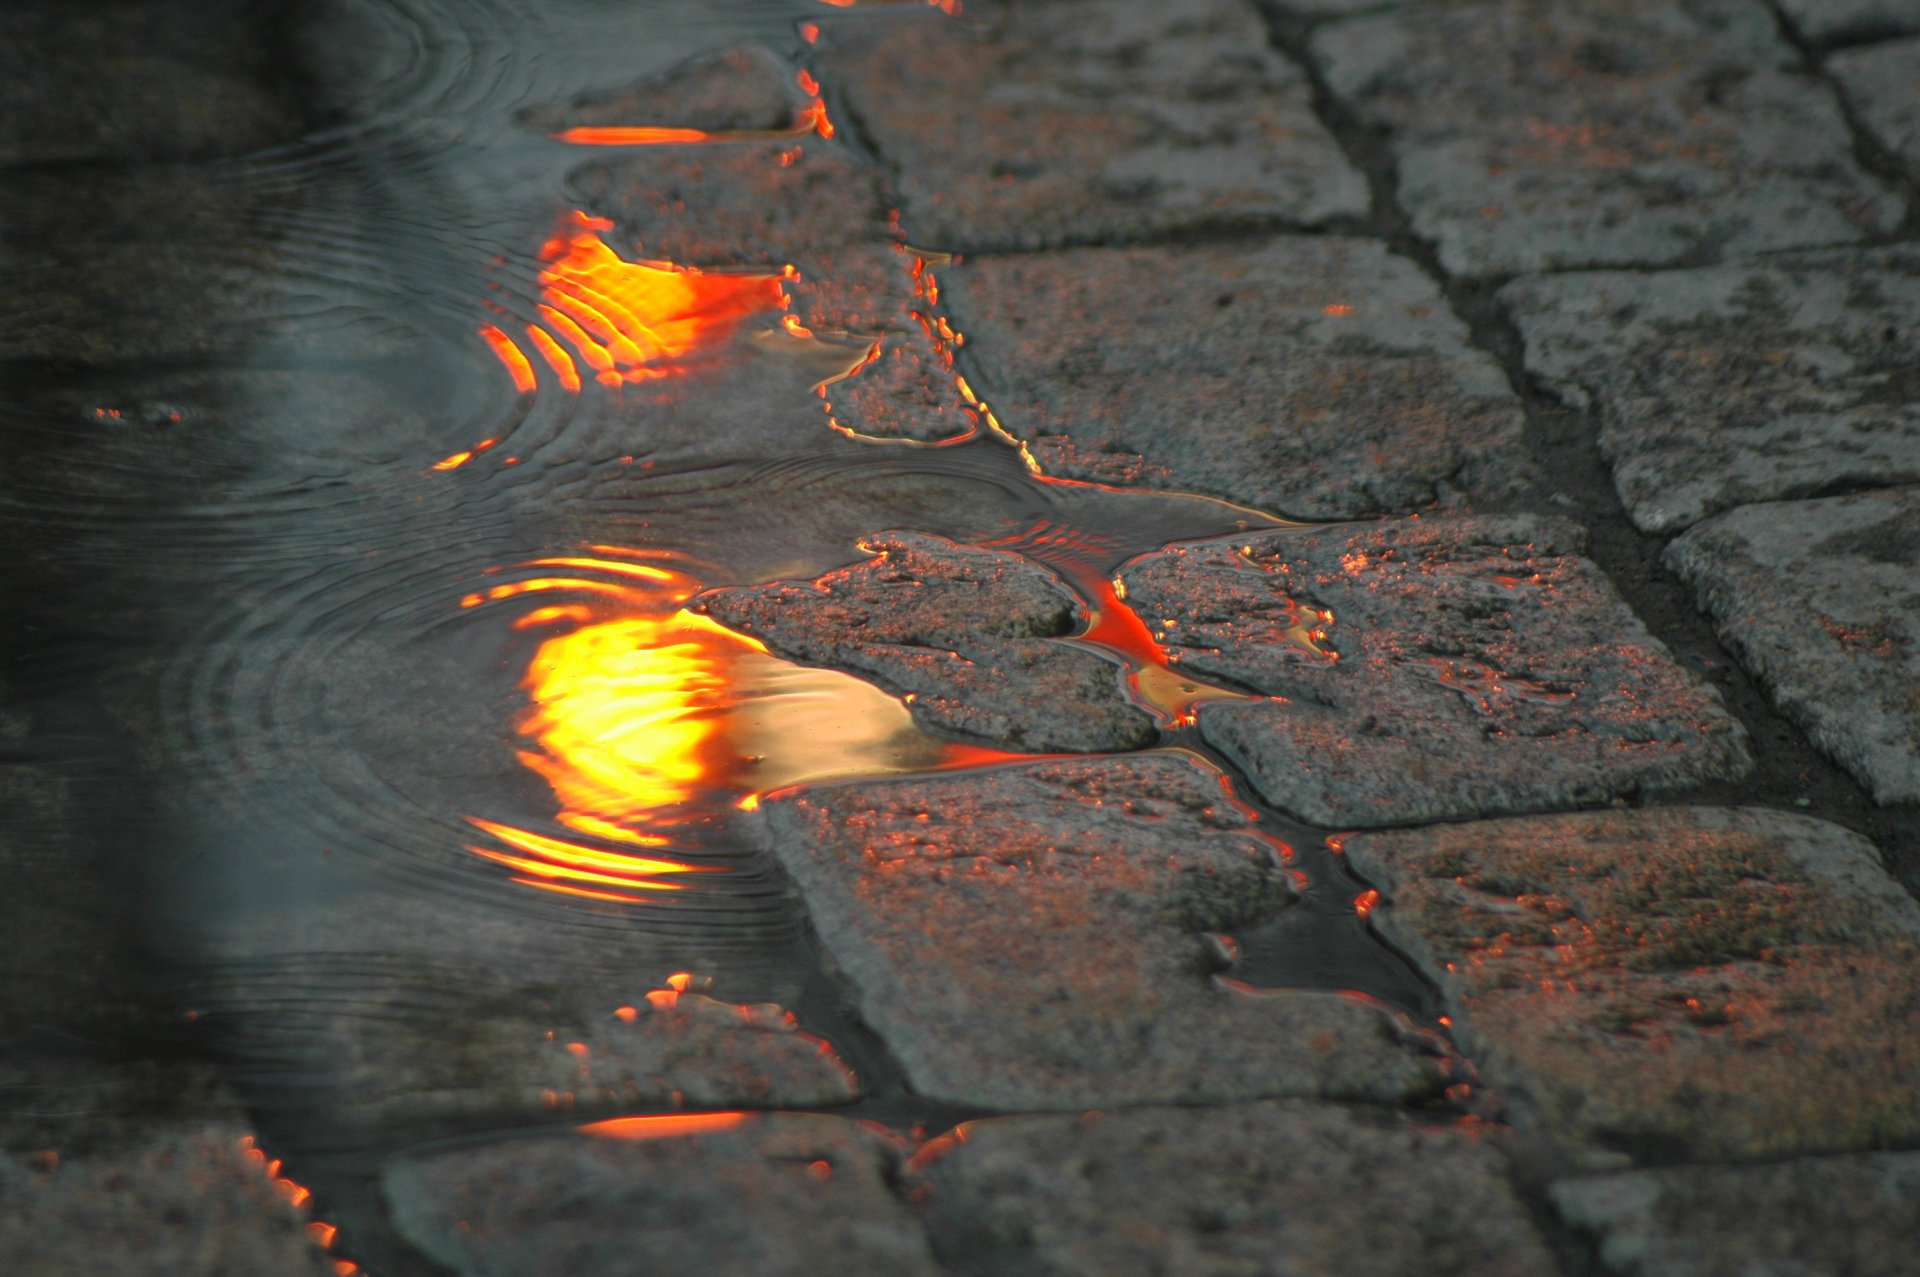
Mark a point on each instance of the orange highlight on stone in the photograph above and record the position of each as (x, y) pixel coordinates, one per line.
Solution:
(664, 1125)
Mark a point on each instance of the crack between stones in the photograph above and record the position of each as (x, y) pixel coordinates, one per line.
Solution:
(1565, 442)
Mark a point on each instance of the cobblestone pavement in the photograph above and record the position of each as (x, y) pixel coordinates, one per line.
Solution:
(1588, 334)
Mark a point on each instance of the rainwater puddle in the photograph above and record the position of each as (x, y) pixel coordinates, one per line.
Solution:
(359, 583)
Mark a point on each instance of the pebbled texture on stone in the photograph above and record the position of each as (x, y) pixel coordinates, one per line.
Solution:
(1319, 378)
(1534, 135)
(1746, 382)
(1840, 21)
(742, 89)
(1853, 1216)
(1880, 85)
(784, 1195)
(1040, 936)
(1471, 666)
(1036, 124)
(1691, 982)
(1287, 1188)
(188, 1202)
(1821, 600)
(969, 634)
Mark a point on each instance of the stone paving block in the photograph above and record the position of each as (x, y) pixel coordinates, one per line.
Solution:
(1821, 600)
(1737, 383)
(1834, 21)
(967, 634)
(1034, 124)
(187, 1202)
(1882, 87)
(1536, 135)
(1040, 936)
(742, 89)
(1320, 378)
(407, 1009)
(1287, 1188)
(785, 1195)
(1811, 1217)
(1431, 669)
(1690, 982)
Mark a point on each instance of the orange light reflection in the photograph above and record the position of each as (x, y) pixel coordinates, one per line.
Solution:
(664, 1125)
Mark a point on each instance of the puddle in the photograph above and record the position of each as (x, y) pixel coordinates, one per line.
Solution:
(375, 587)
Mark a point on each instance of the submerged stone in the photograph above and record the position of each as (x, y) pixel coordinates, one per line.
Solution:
(1622, 132)
(193, 1201)
(1431, 669)
(742, 89)
(1692, 982)
(1315, 377)
(1041, 936)
(785, 1195)
(1821, 600)
(1811, 1217)
(1748, 382)
(969, 635)
(1240, 1190)
(1026, 125)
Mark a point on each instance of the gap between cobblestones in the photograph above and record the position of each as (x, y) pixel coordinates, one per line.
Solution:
(1566, 443)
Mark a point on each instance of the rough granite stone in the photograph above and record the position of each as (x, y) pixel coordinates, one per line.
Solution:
(1034, 124)
(1838, 21)
(1247, 1189)
(739, 90)
(1811, 1217)
(1746, 382)
(1880, 85)
(968, 634)
(1689, 982)
(1321, 378)
(188, 1202)
(1431, 669)
(785, 1195)
(1821, 600)
(1039, 936)
(1534, 135)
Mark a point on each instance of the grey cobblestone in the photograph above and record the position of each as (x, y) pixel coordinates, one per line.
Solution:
(1535, 136)
(1692, 982)
(1821, 600)
(1237, 1191)
(1318, 378)
(1880, 86)
(1470, 666)
(1038, 936)
(1054, 123)
(1832, 21)
(1745, 382)
(1811, 1217)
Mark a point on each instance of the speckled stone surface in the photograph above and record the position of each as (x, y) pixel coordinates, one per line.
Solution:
(1821, 600)
(1025, 125)
(787, 1195)
(1539, 136)
(1233, 1191)
(1836, 21)
(1312, 377)
(1038, 936)
(1692, 982)
(970, 635)
(1431, 669)
(1810, 1217)
(193, 1201)
(1749, 382)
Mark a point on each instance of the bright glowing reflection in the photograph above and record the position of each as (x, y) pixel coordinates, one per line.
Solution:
(645, 719)
(663, 1125)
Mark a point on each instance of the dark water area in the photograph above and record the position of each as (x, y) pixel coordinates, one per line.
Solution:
(292, 543)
